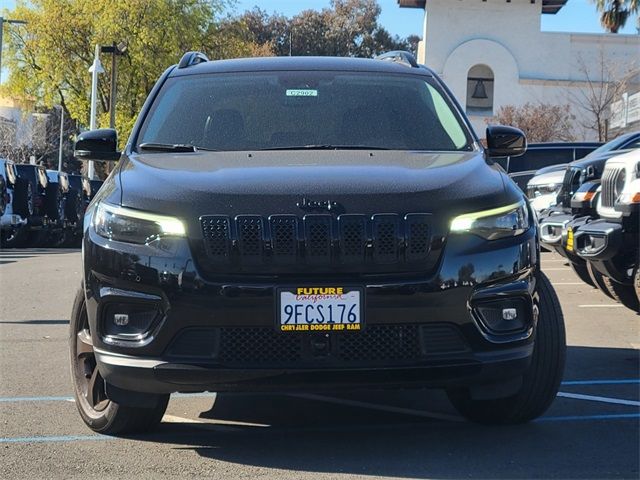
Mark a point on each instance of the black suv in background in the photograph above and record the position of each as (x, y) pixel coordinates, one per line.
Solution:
(278, 224)
(541, 155)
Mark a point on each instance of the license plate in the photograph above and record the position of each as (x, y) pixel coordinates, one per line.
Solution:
(570, 239)
(319, 309)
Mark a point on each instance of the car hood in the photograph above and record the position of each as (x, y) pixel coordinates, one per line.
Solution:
(274, 182)
(597, 161)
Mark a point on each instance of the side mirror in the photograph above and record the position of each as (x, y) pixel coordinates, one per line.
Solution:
(98, 145)
(505, 141)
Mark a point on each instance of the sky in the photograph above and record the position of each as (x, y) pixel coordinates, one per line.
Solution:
(575, 16)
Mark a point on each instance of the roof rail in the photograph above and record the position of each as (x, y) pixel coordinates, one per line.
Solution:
(192, 58)
(399, 56)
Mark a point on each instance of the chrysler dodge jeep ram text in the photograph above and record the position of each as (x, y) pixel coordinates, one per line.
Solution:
(299, 224)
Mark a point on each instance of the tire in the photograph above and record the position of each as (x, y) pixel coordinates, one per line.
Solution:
(15, 237)
(40, 238)
(580, 269)
(624, 294)
(97, 411)
(540, 382)
(598, 279)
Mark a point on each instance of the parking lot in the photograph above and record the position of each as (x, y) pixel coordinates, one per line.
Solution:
(591, 431)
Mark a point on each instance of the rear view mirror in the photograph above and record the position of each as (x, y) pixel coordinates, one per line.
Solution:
(505, 141)
(98, 145)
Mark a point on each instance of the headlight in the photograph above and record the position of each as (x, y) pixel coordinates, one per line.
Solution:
(629, 198)
(496, 223)
(534, 191)
(133, 226)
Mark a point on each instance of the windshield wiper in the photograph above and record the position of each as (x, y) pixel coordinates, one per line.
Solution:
(327, 147)
(172, 147)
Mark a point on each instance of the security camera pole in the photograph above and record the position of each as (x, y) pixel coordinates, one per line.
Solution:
(95, 70)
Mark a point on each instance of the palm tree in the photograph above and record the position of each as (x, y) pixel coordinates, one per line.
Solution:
(614, 13)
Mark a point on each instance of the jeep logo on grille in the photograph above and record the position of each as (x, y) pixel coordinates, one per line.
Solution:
(311, 205)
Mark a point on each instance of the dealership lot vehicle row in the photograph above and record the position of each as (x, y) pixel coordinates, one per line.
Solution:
(414, 434)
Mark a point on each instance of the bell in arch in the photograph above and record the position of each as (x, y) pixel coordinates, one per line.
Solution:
(479, 91)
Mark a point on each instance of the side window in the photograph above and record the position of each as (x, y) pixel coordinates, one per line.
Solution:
(583, 152)
(633, 144)
(537, 158)
(449, 122)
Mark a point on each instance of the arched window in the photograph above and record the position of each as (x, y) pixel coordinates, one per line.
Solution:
(480, 90)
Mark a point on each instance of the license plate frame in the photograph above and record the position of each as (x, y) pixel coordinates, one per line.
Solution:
(348, 291)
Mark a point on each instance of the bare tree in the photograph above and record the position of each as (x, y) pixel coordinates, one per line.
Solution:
(604, 82)
(37, 135)
(541, 122)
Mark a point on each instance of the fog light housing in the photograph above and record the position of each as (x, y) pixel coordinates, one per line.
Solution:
(590, 244)
(504, 316)
(129, 321)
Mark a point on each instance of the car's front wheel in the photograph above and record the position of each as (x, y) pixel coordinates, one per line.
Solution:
(540, 382)
(99, 412)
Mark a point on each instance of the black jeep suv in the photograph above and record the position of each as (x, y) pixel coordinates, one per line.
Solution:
(292, 224)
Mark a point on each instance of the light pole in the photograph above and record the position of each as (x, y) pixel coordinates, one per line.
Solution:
(2, 22)
(95, 70)
(114, 50)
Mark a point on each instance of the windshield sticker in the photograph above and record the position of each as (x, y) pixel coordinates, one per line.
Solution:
(302, 93)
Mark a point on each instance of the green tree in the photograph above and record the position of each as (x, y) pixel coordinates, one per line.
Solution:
(615, 13)
(48, 59)
(347, 28)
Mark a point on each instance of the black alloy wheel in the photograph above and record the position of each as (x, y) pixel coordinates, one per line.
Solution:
(100, 413)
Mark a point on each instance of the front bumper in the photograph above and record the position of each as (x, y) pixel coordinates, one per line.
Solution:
(609, 247)
(552, 223)
(220, 334)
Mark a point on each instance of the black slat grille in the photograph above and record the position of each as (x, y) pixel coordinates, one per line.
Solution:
(215, 230)
(612, 185)
(265, 347)
(353, 238)
(257, 345)
(284, 237)
(381, 342)
(317, 233)
(319, 239)
(250, 238)
(385, 231)
(417, 236)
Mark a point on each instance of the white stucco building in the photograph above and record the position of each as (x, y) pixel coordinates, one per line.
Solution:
(493, 53)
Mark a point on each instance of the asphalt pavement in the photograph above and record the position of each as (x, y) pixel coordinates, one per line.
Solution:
(591, 431)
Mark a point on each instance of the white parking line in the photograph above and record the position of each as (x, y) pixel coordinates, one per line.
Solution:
(213, 421)
(383, 408)
(600, 305)
(594, 398)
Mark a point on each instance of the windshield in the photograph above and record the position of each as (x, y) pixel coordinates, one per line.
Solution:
(279, 110)
(613, 145)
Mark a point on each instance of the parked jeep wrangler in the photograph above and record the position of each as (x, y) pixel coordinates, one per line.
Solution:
(555, 220)
(16, 194)
(35, 178)
(295, 224)
(611, 244)
(78, 200)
